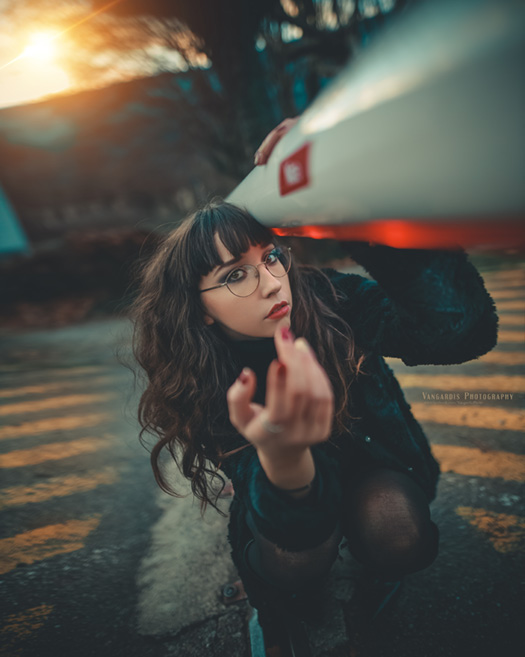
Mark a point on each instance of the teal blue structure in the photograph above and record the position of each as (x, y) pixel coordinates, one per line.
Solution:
(12, 237)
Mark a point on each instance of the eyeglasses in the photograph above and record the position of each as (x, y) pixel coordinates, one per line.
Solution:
(243, 281)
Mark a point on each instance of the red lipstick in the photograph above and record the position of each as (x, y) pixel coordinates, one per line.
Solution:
(279, 310)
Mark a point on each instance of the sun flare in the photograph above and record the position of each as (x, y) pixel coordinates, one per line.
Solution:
(36, 73)
(42, 46)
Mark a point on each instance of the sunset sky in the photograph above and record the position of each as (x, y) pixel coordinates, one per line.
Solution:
(31, 68)
(60, 51)
(65, 48)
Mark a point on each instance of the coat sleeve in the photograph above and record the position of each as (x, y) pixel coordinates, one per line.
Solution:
(424, 306)
(292, 524)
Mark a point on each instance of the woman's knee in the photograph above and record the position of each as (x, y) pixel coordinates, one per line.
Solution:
(292, 570)
(388, 523)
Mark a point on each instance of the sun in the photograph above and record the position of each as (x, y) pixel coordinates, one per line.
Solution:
(38, 71)
(41, 45)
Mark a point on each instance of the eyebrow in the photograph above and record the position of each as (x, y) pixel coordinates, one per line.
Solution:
(226, 264)
(233, 261)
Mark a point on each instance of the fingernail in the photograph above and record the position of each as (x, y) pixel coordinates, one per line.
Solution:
(281, 369)
(243, 376)
(285, 333)
(302, 345)
(257, 158)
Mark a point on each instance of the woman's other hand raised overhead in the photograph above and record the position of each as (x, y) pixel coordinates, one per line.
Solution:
(265, 149)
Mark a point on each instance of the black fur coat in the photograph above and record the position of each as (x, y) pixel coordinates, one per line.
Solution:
(424, 307)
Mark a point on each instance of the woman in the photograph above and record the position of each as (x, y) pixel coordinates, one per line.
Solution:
(275, 374)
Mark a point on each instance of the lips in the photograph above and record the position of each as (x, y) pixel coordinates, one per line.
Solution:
(277, 307)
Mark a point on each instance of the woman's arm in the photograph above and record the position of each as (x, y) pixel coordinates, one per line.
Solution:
(286, 434)
(424, 306)
(298, 413)
(290, 523)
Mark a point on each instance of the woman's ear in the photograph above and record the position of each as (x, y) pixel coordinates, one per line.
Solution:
(208, 320)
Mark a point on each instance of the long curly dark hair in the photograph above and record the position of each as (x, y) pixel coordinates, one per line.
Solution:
(186, 362)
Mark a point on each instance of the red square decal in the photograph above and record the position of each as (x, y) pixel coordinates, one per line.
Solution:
(294, 171)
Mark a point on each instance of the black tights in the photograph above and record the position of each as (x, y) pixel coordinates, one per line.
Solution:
(386, 521)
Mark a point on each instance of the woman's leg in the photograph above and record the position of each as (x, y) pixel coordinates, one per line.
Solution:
(287, 571)
(388, 526)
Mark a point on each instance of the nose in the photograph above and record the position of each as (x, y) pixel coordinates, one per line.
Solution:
(268, 284)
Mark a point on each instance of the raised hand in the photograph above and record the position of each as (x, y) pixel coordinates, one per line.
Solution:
(263, 152)
(298, 411)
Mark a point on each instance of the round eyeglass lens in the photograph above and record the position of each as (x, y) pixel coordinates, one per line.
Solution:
(244, 280)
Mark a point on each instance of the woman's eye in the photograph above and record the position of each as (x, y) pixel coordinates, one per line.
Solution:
(272, 258)
(236, 275)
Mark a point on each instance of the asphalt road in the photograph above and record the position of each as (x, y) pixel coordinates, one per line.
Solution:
(94, 560)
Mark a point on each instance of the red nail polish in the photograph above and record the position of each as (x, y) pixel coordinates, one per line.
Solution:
(285, 333)
(243, 377)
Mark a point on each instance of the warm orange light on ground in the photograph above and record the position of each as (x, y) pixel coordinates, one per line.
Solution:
(475, 417)
(21, 458)
(57, 487)
(45, 542)
(511, 358)
(474, 462)
(23, 624)
(504, 531)
(65, 401)
(24, 429)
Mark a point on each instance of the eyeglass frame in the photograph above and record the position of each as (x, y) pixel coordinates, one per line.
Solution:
(256, 267)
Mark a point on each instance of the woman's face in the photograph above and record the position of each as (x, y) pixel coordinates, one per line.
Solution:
(242, 318)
